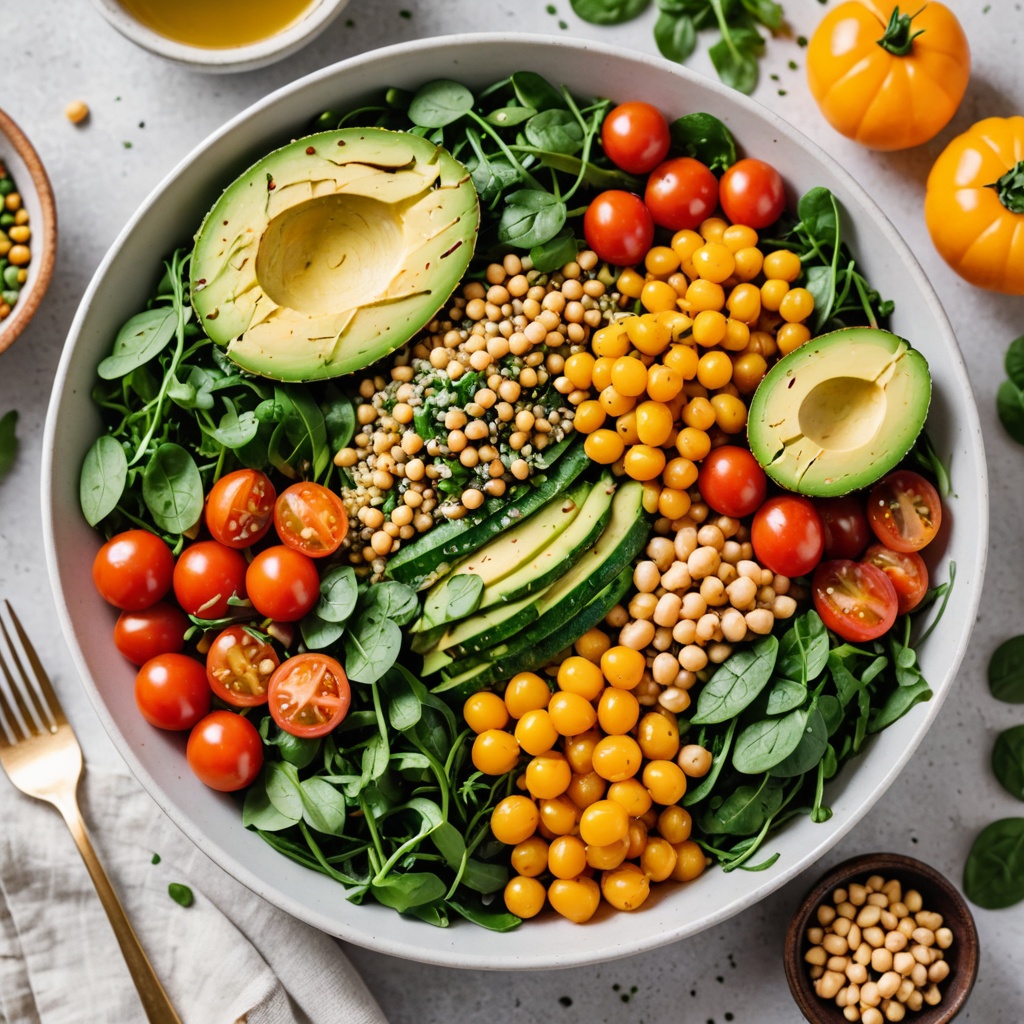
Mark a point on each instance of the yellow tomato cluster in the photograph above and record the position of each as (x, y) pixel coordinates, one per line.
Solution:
(717, 310)
(599, 816)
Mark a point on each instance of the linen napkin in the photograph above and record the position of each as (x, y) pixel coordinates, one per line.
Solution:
(228, 958)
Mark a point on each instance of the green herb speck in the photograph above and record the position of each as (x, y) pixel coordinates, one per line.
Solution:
(793, 65)
(405, 14)
(156, 859)
(181, 894)
(782, 92)
(801, 40)
(126, 144)
(551, 9)
(562, 25)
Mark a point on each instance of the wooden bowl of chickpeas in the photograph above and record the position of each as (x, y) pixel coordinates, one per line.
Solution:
(882, 938)
(28, 231)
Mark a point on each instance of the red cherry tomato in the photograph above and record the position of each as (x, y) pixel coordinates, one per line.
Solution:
(239, 666)
(731, 481)
(133, 570)
(904, 511)
(787, 535)
(282, 583)
(159, 629)
(845, 524)
(618, 227)
(225, 751)
(751, 192)
(240, 508)
(635, 137)
(172, 692)
(310, 519)
(681, 193)
(854, 599)
(205, 576)
(906, 571)
(309, 695)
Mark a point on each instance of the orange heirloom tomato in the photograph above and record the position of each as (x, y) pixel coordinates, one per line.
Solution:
(974, 204)
(886, 79)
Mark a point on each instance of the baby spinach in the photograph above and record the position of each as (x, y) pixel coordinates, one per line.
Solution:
(1010, 396)
(994, 871)
(142, 338)
(768, 742)
(736, 682)
(8, 441)
(1006, 671)
(173, 489)
(803, 650)
(745, 810)
(181, 894)
(706, 139)
(1008, 760)
(609, 12)
(104, 473)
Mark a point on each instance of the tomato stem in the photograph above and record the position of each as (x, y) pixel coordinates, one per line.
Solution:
(1010, 188)
(898, 38)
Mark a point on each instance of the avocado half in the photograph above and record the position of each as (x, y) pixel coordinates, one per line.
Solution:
(839, 412)
(333, 251)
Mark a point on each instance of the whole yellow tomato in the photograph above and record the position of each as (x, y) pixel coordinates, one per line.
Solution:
(974, 204)
(886, 79)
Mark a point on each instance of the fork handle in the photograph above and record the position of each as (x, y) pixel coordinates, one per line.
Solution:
(154, 999)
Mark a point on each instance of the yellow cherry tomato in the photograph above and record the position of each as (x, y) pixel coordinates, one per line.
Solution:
(587, 789)
(643, 462)
(974, 204)
(658, 736)
(886, 78)
(589, 416)
(604, 822)
(674, 824)
(617, 758)
(665, 781)
(567, 857)
(548, 775)
(576, 899)
(617, 711)
(530, 857)
(631, 793)
(579, 750)
(535, 732)
(495, 752)
(625, 887)
(526, 691)
(604, 446)
(558, 816)
(663, 383)
(571, 714)
(653, 423)
(514, 819)
(524, 896)
(577, 674)
(658, 860)
(623, 667)
(485, 710)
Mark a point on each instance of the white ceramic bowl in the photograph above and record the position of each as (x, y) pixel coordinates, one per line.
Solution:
(29, 175)
(212, 820)
(237, 58)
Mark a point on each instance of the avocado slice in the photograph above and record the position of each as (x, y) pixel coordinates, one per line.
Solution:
(838, 413)
(333, 251)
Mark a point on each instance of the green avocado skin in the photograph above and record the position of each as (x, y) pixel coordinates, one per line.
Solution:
(331, 252)
(838, 413)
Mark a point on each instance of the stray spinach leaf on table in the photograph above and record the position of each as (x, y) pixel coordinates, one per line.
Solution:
(1006, 671)
(994, 872)
(1008, 760)
(1010, 396)
(8, 441)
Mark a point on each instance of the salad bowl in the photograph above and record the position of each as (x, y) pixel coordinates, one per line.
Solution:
(213, 820)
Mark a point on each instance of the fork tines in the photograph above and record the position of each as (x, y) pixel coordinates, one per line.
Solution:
(38, 709)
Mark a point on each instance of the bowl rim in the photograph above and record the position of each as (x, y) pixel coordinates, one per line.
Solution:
(968, 944)
(571, 955)
(235, 58)
(26, 307)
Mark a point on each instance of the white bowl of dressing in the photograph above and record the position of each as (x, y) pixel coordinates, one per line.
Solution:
(231, 35)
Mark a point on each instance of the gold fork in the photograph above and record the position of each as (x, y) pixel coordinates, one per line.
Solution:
(42, 756)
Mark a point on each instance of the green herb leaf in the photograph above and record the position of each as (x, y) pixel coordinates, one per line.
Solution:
(408, 890)
(172, 489)
(533, 90)
(1014, 361)
(745, 810)
(142, 338)
(736, 682)
(508, 117)
(555, 253)
(259, 812)
(463, 595)
(785, 695)
(675, 36)
(555, 130)
(9, 444)
(808, 752)
(392, 599)
(439, 103)
(769, 742)
(994, 871)
(706, 139)
(371, 647)
(104, 474)
(530, 218)
(1008, 760)
(339, 593)
(1006, 671)
(736, 68)
(609, 12)
(803, 651)
(323, 806)
(181, 894)
(1010, 408)
(282, 784)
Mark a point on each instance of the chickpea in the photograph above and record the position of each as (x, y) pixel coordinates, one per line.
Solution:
(694, 760)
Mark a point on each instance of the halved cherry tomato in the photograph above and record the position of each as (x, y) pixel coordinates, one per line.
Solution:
(282, 583)
(159, 629)
(206, 575)
(906, 571)
(239, 665)
(731, 481)
(681, 193)
(240, 508)
(309, 695)
(904, 510)
(855, 599)
(310, 519)
(225, 751)
(787, 535)
(172, 692)
(618, 227)
(133, 570)
(751, 192)
(635, 137)
(845, 524)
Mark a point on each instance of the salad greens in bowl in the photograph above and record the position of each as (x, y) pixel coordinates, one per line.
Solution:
(336, 393)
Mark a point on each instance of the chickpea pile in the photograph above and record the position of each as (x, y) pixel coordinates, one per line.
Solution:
(15, 233)
(600, 815)
(698, 592)
(877, 952)
(672, 379)
(508, 338)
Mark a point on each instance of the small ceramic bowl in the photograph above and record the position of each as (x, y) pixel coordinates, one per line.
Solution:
(26, 169)
(938, 895)
(316, 18)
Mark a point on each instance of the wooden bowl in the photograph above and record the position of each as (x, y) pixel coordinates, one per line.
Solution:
(939, 895)
(25, 167)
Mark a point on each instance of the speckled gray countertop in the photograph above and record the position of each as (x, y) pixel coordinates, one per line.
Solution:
(147, 114)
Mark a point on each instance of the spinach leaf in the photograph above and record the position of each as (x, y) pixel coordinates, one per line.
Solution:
(371, 647)
(676, 38)
(768, 742)
(282, 784)
(319, 633)
(439, 103)
(803, 651)
(493, 920)
(555, 253)
(464, 593)
(393, 599)
(506, 117)
(338, 594)
(9, 444)
(104, 475)
(745, 810)
(898, 703)
(736, 66)
(706, 139)
(555, 130)
(808, 752)
(530, 217)
(609, 12)
(1008, 760)
(994, 871)
(142, 338)
(1014, 361)
(785, 695)
(1006, 671)
(259, 812)
(736, 682)
(173, 489)
(406, 891)
(235, 429)
(533, 90)
(323, 806)
(339, 417)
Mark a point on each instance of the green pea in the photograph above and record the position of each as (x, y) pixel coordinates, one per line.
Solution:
(10, 297)
(6, 220)
(11, 277)
(6, 186)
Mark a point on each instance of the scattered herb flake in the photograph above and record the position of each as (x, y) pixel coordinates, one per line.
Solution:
(156, 859)
(181, 894)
